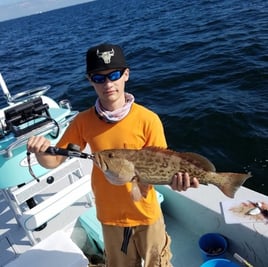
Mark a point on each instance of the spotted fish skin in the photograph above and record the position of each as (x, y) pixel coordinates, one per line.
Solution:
(153, 165)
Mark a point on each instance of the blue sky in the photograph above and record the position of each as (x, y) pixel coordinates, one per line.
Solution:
(10, 9)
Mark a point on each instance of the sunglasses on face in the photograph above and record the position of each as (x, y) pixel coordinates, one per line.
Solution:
(112, 76)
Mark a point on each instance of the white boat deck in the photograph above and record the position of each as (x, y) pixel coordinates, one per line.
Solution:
(188, 215)
(198, 211)
(13, 240)
(184, 244)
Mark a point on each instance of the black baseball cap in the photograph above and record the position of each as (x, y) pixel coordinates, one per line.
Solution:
(104, 57)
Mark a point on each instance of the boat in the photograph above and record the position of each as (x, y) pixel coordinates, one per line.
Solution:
(48, 217)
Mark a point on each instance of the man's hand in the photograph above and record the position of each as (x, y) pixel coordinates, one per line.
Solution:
(182, 181)
(37, 144)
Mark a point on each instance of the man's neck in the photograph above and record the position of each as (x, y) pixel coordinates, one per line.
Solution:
(113, 105)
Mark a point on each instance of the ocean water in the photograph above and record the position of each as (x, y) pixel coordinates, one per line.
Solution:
(201, 65)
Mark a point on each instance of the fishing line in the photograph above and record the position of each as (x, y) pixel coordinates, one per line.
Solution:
(71, 151)
(28, 153)
(30, 167)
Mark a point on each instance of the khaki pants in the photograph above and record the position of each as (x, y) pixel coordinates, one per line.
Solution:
(150, 243)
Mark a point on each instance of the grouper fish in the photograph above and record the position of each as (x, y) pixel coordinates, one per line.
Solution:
(153, 165)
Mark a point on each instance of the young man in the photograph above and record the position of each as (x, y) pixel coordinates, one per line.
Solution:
(132, 230)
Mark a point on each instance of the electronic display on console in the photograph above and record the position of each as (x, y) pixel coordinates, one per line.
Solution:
(23, 118)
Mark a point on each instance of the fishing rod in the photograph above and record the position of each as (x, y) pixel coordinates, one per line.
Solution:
(71, 151)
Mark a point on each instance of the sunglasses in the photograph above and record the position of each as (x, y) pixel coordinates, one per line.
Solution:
(112, 76)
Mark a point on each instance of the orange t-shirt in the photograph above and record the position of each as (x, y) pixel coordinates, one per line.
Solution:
(140, 128)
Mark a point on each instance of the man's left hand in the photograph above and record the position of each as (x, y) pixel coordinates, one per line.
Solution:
(182, 181)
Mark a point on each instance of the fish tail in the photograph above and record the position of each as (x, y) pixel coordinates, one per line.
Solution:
(230, 182)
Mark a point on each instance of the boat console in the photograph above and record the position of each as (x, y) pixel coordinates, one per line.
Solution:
(23, 118)
(38, 115)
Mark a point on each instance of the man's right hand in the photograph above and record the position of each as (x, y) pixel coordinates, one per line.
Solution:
(37, 144)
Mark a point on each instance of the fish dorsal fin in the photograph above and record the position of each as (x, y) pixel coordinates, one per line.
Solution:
(159, 149)
(194, 158)
(198, 160)
(166, 151)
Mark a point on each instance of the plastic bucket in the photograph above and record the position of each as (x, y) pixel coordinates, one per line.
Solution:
(212, 245)
(219, 263)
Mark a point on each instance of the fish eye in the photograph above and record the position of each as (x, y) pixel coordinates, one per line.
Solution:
(111, 155)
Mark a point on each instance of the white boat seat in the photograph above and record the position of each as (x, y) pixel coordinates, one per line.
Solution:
(49, 208)
(56, 250)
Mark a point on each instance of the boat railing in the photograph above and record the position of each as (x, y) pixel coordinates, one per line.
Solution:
(43, 130)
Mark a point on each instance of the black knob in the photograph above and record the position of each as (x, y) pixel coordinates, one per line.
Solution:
(50, 179)
(73, 147)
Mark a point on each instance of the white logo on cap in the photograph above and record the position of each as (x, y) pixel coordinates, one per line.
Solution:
(106, 56)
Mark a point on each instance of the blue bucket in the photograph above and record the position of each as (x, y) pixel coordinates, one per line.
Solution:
(219, 263)
(212, 245)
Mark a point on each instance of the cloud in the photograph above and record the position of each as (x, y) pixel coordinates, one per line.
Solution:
(8, 2)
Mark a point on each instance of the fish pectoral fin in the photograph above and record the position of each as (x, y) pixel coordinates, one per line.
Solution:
(135, 190)
(144, 188)
(139, 189)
